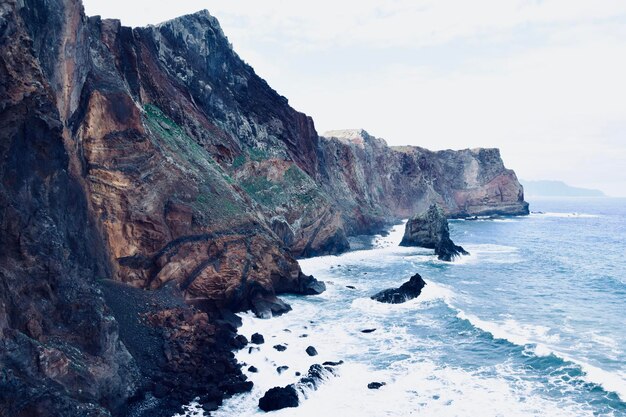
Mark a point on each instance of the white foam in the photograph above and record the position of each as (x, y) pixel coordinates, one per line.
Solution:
(418, 388)
(565, 215)
(541, 341)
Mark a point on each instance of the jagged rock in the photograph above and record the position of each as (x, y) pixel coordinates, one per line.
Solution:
(375, 385)
(430, 230)
(278, 398)
(407, 291)
(257, 339)
(311, 351)
(154, 157)
(239, 341)
(311, 286)
(333, 363)
(268, 307)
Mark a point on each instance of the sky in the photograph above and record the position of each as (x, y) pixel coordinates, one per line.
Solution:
(543, 80)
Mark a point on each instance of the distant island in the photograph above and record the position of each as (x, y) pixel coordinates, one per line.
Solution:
(547, 188)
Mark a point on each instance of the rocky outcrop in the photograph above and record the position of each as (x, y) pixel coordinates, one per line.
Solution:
(60, 348)
(430, 230)
(407, 291)
(151, 183)
(373, 183)
(278, 398)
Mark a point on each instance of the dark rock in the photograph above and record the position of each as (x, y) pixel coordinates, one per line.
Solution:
(375, 385)
(368, 330)
(311, 351)
(430, 230)
(210, 406)
(269, 306)
(239, 341)
(303, 335)
(352, 287)
(298, 373)
(310, 286)
(160, 390)
(253, 369)
(282, 369)
(257, 339)
(314, 376)
(280, 348)
(278, 398)
(407, 291)
(230, 318)
(253, 349)
(331, 363)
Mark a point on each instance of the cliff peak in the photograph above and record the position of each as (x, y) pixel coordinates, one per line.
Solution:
(355, 136)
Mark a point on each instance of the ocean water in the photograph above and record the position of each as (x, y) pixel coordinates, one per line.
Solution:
(532, 323)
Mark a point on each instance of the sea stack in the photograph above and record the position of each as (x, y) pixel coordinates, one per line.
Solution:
(430, 230)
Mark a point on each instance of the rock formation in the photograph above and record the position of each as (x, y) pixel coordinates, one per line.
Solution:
(430, 230)
(373, 182)
(150, 184)
(407, 291)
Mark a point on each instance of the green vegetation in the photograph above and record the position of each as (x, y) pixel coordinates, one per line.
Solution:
(257, 154)
(216, 200)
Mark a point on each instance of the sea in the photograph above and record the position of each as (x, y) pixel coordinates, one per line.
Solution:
(531, 323)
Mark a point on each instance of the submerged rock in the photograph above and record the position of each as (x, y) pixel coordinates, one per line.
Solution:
(407, 291)
(430, 230)
(278, 398)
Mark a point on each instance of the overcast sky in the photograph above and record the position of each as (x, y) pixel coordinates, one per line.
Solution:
(543, 80)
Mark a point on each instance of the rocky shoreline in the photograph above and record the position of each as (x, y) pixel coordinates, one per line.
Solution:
(151, 185)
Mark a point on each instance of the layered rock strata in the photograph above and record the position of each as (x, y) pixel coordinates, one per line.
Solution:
(150, 184)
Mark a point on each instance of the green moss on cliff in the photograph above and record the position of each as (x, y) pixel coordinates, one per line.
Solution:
(216, 201)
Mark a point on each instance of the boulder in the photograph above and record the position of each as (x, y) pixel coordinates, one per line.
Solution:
(407, 291)
(311, 351)
(269, 306)
(278, 398)
(430, 230)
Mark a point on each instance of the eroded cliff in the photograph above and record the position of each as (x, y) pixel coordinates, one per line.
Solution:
(152, 182)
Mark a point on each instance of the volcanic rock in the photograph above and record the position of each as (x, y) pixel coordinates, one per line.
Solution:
(278, 398)
(430, 230)
(311, 351)
(407, 291)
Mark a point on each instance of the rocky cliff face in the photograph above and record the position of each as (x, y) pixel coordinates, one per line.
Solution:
(373, 182)
(150, 182)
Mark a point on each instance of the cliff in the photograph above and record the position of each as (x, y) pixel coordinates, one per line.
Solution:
(373, 182)
(151, 182)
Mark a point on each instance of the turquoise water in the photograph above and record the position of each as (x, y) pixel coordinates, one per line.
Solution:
(531, 324)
